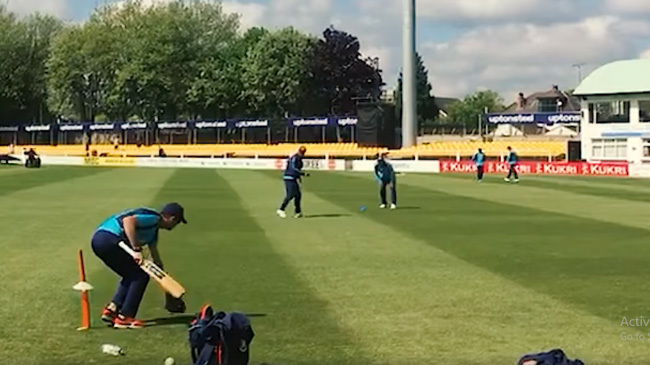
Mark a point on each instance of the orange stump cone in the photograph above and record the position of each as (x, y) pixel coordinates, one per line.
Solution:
(83, 287)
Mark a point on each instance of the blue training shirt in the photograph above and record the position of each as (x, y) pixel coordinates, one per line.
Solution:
(512, 158)
(479, 158)
(294, 168)
(147, 220)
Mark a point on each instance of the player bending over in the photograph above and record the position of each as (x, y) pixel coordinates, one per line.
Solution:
(385, 175)
(137, 228)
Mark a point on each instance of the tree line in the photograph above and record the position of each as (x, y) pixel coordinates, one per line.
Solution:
(172, 61)
(181, 60)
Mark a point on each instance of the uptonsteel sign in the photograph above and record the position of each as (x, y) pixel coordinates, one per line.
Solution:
(529, 118)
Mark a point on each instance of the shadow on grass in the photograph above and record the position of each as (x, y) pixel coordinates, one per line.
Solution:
(185, 319)
(327, 216)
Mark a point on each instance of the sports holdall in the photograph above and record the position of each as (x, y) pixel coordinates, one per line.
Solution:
(220, 338)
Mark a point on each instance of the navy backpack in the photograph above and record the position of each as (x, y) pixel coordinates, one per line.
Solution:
(553, 357)
(220, 338)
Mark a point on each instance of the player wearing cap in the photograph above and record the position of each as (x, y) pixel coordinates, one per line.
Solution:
(137, 228)
(385, 176)
(291, 176)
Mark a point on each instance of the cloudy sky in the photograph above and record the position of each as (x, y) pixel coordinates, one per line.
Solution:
(467, 45)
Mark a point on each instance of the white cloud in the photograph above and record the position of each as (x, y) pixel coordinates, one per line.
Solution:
(58, 8)
(474, 12)
(451, 10)
(252, 14)
(645, 54)
(627, 6)
(527, 57)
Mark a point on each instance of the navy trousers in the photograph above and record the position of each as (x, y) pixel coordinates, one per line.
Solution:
(292, 188)
(134, 282)
(513, 171)
(479, 172)
(393, 192)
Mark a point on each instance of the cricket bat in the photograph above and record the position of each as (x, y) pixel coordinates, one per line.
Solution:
(166, 282)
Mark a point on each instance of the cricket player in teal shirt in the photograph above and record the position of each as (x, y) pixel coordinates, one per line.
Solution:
(479, 160)
(137, 228)
(512, 159)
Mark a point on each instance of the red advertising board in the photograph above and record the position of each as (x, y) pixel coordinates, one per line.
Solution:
(541, 168)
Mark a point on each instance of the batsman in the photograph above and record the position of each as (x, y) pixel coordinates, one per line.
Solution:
(138, 228)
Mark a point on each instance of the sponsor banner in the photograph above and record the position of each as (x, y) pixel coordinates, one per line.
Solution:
(173, 125)
(323, 122)
(37, 128)
(71, 127)
(8, 129)
(233, 163)
(541, 168)
(252, 124)
(321, 164)
(310, 122)
(530, 118)
(127, 126)
(109, 161)
(348, 121)
(398, 166)
(59, 160)
(102, 127)
(206, 125)
(226, 163)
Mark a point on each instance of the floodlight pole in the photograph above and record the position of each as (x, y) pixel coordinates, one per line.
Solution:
(409, 106)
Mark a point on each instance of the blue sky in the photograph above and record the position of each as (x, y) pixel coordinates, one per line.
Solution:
(467, 45)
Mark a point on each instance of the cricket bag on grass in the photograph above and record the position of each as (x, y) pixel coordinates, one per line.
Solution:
(553, 357)
(220, 338)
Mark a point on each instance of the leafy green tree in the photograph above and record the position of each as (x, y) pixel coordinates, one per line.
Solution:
(468, 110)
(339, 74)
(426, 103)
(25, 47)
(275, 73)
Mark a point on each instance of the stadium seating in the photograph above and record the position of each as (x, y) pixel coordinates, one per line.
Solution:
(526, 149)
(442, 149)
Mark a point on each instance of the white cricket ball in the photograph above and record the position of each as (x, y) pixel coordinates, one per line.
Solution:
(169, 361)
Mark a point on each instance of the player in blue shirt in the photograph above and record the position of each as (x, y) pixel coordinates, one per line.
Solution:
(385, 176)
(291, 176)
(479, 160)
(512, 160)
(137, 228)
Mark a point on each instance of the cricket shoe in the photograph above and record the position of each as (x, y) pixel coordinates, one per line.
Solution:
(281, 213)
(299, 215)
(506, 179)
(122, 322)
(108, 315)
(393, 206)
(383, 206)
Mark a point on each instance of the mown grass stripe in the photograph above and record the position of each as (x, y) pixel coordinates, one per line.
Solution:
(389, 288)
(223, 257)
(566, 257)
(43, 228)
(609, 210)
(32, 178)
(635, 193)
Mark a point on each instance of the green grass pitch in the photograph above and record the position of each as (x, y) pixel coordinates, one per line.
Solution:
(462, 273)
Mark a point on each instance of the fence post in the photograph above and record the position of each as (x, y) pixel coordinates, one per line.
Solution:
(457, 156)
